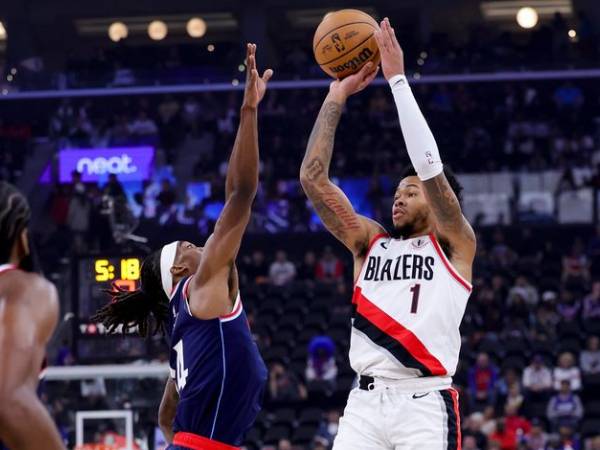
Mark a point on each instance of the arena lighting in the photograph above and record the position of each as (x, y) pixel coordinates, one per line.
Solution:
(210, 48)
(2, 32)
(157, 30)
(572, 34)
(196, 27)
(527, 17)
(117, 31)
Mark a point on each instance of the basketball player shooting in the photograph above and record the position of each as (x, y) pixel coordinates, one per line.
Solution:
(28, 316)
(217, 374)
(412, 284)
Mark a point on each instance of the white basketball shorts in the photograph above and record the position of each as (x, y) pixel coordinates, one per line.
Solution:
(386, 418)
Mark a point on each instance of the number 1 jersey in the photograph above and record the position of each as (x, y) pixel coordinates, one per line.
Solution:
(408, 304)
(219, 373)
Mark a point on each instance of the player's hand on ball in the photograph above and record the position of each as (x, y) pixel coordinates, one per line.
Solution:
(354, 83)
(256, 86)
(392, 56)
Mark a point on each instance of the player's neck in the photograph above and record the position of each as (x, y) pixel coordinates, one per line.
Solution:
(421, 231)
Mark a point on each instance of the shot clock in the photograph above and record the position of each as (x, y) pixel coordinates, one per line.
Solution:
(92, 276)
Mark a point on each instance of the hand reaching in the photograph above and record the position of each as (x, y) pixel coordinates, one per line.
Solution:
(354, 83)
(255, 86)
(392, 56)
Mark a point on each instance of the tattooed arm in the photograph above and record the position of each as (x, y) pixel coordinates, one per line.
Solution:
(331, 204)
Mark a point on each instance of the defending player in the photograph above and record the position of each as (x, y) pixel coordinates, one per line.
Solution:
(412, 285)
(28, 316)
(218, 376)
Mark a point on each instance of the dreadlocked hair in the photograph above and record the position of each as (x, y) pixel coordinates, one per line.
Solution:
(146, 308)
(14, 218)
(409, 171)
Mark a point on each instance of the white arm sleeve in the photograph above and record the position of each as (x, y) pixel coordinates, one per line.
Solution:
(420, 143)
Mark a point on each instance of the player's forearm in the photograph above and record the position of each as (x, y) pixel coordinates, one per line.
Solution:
(242, 172)
(420, 143)
(19, 415)
(319, 150)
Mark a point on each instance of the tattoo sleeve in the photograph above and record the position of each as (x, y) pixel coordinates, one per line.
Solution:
(445, 205)
(330, 203)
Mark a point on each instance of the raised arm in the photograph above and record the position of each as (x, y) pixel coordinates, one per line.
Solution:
(330, 202)
(222, 246)
(423, 151)
(27, 321)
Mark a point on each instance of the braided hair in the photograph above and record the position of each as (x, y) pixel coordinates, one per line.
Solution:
(146, 308)
(14, 218)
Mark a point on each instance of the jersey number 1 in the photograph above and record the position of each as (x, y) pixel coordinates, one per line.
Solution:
(416, 289)
(181, 372)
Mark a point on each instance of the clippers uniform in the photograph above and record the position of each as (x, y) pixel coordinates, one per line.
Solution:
(219, 373)
(408, 304)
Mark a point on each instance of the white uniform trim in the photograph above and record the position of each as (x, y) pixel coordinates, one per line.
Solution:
(167, 258)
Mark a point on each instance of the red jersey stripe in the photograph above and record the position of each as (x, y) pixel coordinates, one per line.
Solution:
(196, 442)
(451, 269)
(454, 395)
(395, 330)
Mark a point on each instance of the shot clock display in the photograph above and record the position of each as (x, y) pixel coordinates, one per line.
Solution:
(94, 275)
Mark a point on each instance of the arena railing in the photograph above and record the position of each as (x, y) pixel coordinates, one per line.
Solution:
(415, 78)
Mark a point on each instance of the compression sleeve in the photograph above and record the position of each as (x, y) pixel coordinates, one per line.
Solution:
(420, 143)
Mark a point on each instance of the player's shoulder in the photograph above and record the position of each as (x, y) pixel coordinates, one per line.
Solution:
(32, 286)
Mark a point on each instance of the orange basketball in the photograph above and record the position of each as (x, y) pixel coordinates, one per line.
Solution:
(344, 42)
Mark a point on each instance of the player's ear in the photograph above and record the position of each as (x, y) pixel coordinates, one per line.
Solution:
(178, 270)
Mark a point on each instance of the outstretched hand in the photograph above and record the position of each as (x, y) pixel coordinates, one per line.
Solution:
(354, 83)
(392, 56)
(256, 86)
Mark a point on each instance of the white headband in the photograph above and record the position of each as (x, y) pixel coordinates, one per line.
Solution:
(167, 259)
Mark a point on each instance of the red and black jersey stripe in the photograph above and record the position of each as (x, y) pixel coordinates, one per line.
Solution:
(402, 343)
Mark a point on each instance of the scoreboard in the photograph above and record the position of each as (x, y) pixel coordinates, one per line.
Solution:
(92, 276)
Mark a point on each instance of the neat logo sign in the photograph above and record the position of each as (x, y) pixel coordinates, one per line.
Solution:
(100, 166)
(129, 164)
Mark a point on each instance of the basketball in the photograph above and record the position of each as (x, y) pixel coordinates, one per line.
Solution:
(344, 42)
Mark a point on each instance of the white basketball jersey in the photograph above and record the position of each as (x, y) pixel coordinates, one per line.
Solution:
(408, 305)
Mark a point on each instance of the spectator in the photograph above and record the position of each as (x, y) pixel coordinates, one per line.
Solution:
(113, 188)
(256, 269)
(567, 370)
(514, 423)
(590, 357)
(482, 382)
(567, 439)
(283, 385)
(537, 378)
(591, 303)
(329, 268)
(575, 266)
(282, 271)
(473, 430)
(307, 270)
(143, 126)
(536, 438)
(565, 408)
(166, 198)
(284, 444)
(506, 438)
(489, 420)
(321, 364)
(469, 443)
(595, 443)
(328, 428)
(78, 218)
(568, 306)
(526, 290)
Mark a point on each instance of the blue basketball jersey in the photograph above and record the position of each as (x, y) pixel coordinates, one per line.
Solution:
(219, 373)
